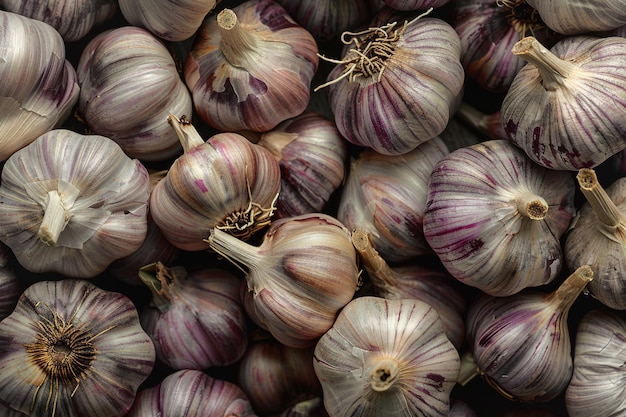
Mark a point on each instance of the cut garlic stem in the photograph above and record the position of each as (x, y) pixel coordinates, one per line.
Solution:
(607, 211)
(532, 206)
(379, 272)
(568, 291)
(552, 69)
(235, 39)
(384, 375)
(187, 134)
(54, 220)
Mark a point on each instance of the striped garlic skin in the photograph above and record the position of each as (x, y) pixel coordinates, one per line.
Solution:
(171, 20)
(575, 17)
(120, 358)
(105, 194)
(10, 290)
(372, 330)
(39, 86)
(474, 223)
(597, 385)
(73, 19)
(129, 84)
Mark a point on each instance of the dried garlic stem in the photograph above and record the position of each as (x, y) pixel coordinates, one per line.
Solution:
(384, 375)
(382, 276)
(235, 39)
(532, 206)
(552, 69)
(568, 291)
(159, 279)
(54, 220)
(187, 134)
(607, 211)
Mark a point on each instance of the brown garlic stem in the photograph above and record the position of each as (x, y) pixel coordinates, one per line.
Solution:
(235, 39)
(159, 280)
(568, 291)
(552, 69)
(187, 134)
(385, 374)
(55, 218)
(532, 206)
(607, 211)
(381, 275)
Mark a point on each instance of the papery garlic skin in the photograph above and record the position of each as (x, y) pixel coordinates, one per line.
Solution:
(73, 19)
(574, 17)
(39, 86)
(386, 357)
(495, 218)
(10, 290)
(597, 385)
(97, 195)
(72, 349)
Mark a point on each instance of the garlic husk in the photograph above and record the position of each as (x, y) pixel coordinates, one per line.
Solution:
(386, 357)
(521, 343)
(495, 218)
(226, 182)
(171, 20)
(303, 272)
(73, 19)
(598, 238)
(596, 388)
(57, 359)
(10, 290)
(312, 156)
(251, 67)
(129, 84)
(566, 107)
(396, 93)
(385, 195)
(574, 17)
(195, 318)
(487, 124)
(39, 86)
(72, 204)
(192, 393)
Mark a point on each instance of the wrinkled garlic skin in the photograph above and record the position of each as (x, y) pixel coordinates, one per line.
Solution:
(39, 86)
(495, 218)
(10, 290)
(386, 357)
(252, 72)
(597, 385)
(566, 107)
(410, 5)
(72, 204)
(225, 176)
(57, 359)
(129, 84)
(73, 19)
(575, 17)
(312, 156)
(171, 20)
(403, 98)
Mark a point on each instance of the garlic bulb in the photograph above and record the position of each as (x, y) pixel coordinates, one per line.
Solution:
(129, 84)
(576, 81)
(73, 19)
(386, 357)
(301, 275)
(307, 408)
(521, 343)
(72, 349)
(226, 182)
(39, 86)
(597, 384)
(10, 290)
(385, 195)
(195, 318)
(573, 17)
(597, 238)
(72, 204)
(312, 156)
(495, 218)
(410, 5)
(251, 67)
(192, 393)
(171, 20)
(395, 85)
(459, 408)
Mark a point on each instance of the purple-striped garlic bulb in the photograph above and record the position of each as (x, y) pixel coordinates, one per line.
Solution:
(386, 357)
(575, 17)
(251, 67)
(566, 108)
(521, 343)
(495, 218)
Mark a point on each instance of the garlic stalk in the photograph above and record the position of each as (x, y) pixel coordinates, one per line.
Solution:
(521, 343)
(487, 124)
(575, 17)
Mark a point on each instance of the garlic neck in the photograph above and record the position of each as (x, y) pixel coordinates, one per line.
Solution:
(570, 289)
(160, 281)
(235, 40)
(56, 217)
(276, 141)
(381, 275)
(187, 134)
(243, 255)
(532, 206)
(384, 375)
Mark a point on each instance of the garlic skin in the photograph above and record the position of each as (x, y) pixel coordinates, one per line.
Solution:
(386, 357)
(574, 17)
(72, 204)
(73, 19)
(57, 360)
(596, 388)
(39, 86)
(10, 290)
(251, 67)
(171, 20)
(303, 272)
(486, 204)
(575, 80)
(129, 84)
(521, 343)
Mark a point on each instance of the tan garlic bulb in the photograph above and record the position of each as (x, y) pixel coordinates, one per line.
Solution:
(72, 204)
(573, 17)
(251, 67)
(566, 107)
(386, 357)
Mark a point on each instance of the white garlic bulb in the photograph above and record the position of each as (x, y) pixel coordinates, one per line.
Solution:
(572, 17)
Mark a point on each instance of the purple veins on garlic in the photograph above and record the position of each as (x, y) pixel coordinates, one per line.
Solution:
(575, 17)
